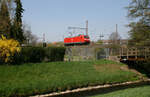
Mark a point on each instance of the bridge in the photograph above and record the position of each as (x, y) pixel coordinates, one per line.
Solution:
(97, 51)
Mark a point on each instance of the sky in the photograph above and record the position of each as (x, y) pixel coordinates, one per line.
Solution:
(53, 17)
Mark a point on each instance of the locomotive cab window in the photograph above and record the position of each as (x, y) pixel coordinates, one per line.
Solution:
(86, 37)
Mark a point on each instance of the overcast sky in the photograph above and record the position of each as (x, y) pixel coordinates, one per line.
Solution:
(53, 17)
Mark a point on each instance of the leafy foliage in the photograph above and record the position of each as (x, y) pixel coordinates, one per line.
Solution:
(8, 48)
(17, 31)
(11, 19)
(5, 22)
(32, 54)
(139, 10)
(55, 53)
(139, 34)
(39, 54)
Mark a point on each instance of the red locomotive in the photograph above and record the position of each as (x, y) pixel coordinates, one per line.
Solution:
(81, 39)
(77, 40)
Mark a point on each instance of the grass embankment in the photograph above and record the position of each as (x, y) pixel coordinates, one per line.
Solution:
(131, 92)
(30, 79)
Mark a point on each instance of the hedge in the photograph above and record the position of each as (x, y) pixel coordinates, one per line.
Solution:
(39, 54)
(55, 54)
(143, 67)
(146, 67)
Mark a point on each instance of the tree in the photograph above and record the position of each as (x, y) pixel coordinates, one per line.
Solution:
(114, 45)
(115, 38)
(5, 21)
(139, 10)
(11, 19)
(30, 38)
(139, 34)
(17, 31)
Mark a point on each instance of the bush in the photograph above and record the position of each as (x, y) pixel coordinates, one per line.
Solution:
(143, 67)
(55, 53)
(146, 66)
(33, 54)
(8, 49)
(39, 54)
(29, 55)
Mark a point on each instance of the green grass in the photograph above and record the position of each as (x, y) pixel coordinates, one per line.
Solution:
(30, 79)
(131, 92)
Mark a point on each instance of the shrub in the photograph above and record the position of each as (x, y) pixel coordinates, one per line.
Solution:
(33, 54)
(39, 54)
(55, 53)
(146, 66)
(8, 48)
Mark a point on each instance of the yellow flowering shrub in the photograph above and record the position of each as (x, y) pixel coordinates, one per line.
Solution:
(8, 48)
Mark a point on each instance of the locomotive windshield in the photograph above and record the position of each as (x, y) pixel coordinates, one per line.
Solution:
(86, 37)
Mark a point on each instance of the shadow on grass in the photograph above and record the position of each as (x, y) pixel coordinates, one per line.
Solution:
(141, 67)
(102, 91)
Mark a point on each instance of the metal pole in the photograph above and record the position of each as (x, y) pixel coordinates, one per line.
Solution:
(87, 27)
(116, 28)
